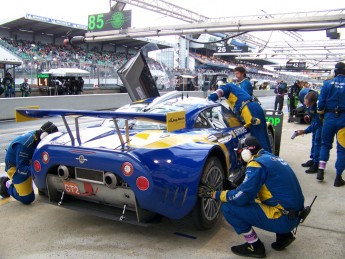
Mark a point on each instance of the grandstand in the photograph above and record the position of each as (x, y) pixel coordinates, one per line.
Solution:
(205, 60)
(38, 43)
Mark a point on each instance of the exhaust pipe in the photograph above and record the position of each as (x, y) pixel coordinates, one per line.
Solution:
(110, 180)
(63, 172)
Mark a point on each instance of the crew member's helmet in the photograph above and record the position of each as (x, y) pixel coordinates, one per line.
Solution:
(46, 129)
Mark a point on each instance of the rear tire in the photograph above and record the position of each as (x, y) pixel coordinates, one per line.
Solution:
(206, 211)
(271, 140)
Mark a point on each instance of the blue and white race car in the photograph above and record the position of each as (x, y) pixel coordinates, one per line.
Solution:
(146, 159)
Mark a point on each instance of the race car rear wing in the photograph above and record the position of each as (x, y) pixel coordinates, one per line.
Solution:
(173, 120)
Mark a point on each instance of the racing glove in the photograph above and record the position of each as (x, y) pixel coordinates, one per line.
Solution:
(254, 121)
(205, 191)
(213, 97)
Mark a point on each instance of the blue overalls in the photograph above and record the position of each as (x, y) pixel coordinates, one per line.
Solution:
(18, 167)
(315, 128)
(270, 187)
(246, 85)
(241, 104)
(301, 96)
(332, 105)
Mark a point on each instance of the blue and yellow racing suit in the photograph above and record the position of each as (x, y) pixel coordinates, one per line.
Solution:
(331, 104)
(246, 85)
(240, 102)
(315, 128)
(269, 188)
(18, 167)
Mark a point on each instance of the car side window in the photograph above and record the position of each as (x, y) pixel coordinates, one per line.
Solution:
(211, 118)
(201, 122)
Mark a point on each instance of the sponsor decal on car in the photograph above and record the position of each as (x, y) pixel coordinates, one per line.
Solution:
(176, 120)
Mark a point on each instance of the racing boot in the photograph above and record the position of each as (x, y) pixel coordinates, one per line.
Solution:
(313, 169)
(338, 181)
(320, 174)
(282, 241)
(309, 163)
(3, 188)
(256, 249)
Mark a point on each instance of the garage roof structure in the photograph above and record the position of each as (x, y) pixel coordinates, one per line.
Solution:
(57, 28)
(39, 24)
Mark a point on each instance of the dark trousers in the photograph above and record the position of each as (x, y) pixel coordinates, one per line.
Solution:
(279, 102)
(292, 106)
(243, 218)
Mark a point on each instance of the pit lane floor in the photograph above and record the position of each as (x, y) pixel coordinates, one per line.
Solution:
(44, 231)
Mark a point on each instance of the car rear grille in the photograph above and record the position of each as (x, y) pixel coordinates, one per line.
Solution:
(88, 175)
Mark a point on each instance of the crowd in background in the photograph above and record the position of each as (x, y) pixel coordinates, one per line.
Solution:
(35, 50)
(38, 57)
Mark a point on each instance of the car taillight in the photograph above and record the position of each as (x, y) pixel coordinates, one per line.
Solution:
(127, 169)
(37, 166)
(142, 183)
(45, 157)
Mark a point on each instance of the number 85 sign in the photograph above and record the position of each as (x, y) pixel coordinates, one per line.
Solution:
(110, 21)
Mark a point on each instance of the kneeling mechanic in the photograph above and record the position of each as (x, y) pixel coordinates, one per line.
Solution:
(269, 198)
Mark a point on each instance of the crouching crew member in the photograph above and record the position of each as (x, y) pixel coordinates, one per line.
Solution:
(269, 198)
(18, 184)
(242, 104)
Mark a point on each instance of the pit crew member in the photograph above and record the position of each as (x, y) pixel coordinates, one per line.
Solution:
(269, 198)
(242, 80)
(18, 184)
(315, 127)
(331, 105)
(242, 104)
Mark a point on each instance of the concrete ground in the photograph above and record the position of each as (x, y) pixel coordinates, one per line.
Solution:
(44, 231)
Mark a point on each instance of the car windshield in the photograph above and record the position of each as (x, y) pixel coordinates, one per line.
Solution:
(121, 122)
(163, 109)
(172, 105)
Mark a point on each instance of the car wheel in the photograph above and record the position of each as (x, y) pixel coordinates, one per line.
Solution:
(271, 140)
(206, 211)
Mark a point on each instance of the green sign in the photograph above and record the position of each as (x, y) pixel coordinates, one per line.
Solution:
(110, 21)
(43, 76)
(275, 121)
